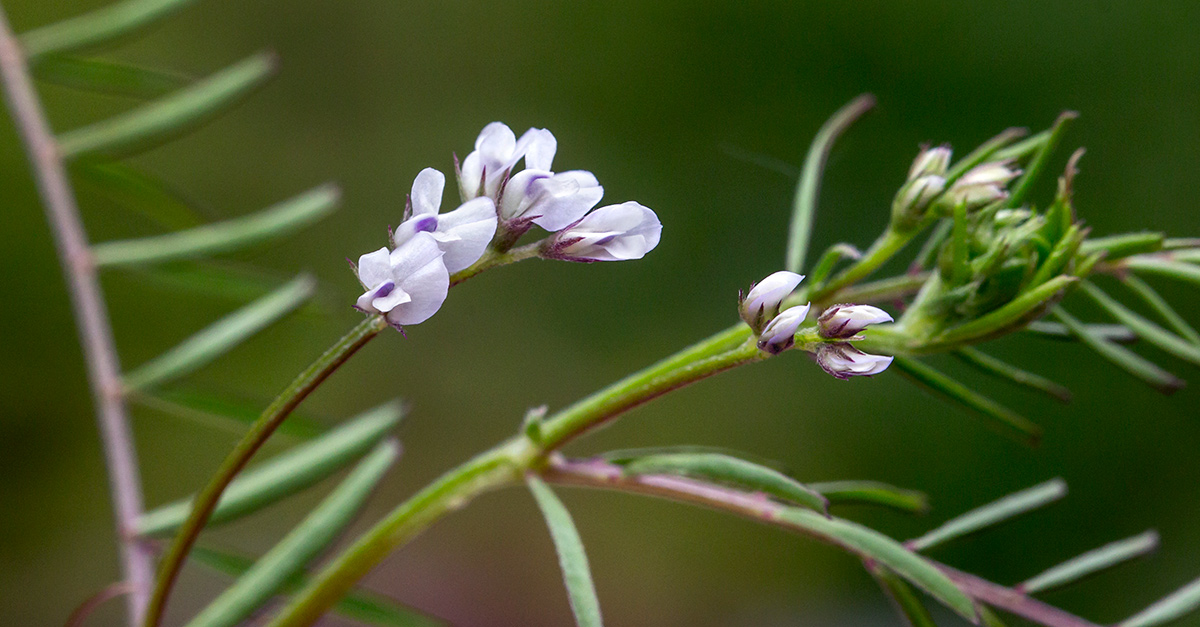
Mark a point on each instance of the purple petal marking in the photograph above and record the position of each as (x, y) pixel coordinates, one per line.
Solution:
(384, 290)
(425, 223)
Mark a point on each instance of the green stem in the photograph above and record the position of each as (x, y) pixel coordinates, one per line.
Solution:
(262, 429)
(879, 253)
(493, 259)
(505, 464)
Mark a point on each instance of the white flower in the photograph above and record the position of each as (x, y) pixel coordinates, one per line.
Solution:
(497, 151)
(551, 201)
(408, 284)
(463, 234)
(762, 303)
(780, 333)
(613, 233)
(930, 161)
(844, 361)
(843, 321)
(983, 184)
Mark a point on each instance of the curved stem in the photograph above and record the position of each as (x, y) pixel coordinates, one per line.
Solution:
(506, 463)
(91, 315)
(263, 427)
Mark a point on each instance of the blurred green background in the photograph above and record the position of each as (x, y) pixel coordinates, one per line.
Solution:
(673, 104)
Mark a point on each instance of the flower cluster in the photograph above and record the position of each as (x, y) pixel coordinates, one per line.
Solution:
(926, 185)
(409, 281)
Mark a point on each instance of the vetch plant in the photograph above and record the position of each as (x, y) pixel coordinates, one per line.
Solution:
(992, 264)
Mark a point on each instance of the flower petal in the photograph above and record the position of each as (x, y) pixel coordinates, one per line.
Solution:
(427, 191)
(464, 234)
(374, 268)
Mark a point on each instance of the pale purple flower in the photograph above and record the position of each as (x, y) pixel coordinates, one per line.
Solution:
(408, 284)
(780, 333)
(549, 200)
(843, 321)
(762, 303)
(844, 361)
(613, 233)
(463, 234)
(497, 151)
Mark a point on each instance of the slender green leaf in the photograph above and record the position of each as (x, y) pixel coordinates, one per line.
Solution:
(286, 559)
(882, 290)
(927, 377)
(1161, 307)
(804, 206)
(1023, 186)
(159, 121)
(208, 278)
(222, 336)
(829, 260)
(1015, 313)
(139, 192)
(995, 512)
(107, 77)
(102, 25)
(284, 474)
(1176, 605)
(903, 597)
(359, 605)
(870, 544)
(1144, 328)
(1091, 562)
(1062, 254)
(989, 618)
(1124, 245)
(1177, 270)
(625, 455)
(932, 246)
(571, 557)
(731, 470)
(1120, 356)
(275, 221)
(999, 368)
(994, 147)
(874, 493)
(1178, 243)
(228, 414)
(1058, 331)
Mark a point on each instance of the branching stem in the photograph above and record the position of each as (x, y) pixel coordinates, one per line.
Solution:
(91, 315)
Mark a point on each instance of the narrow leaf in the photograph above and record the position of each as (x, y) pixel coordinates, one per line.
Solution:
(903, 597)
(139, 192)
(208, 278)
(228, 414)
(1124, 245)
(1016, 312)
(156, 122)
(284, 474)
(1004, 370)
(107, 77)
(222, 336)
(1058, 331)
(1161, 307)
(1062, 254)
(935, 381)
(829, 260)
(873, 493)
(1122, 357)
(929, 250)
(804, 206)
(359, 605)
(1091, 562)
(870, 544)
(571, 557)
(99, 26)
(1177, 270)
(1033, 170)
(731, 470)
(995, 512)
(286, 559)
(1177, 605)
(275, 221)
(1144, 328)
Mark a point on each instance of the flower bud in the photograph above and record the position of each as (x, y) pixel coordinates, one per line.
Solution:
(930, 161)
(844, 321)
(780, 333)
(613, 233)
(844, 361)
(912, 200)
(981, 185)
(762, 303)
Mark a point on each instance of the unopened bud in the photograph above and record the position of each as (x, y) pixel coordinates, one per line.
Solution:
(843, 321)
(780, 333)
(930, 161)
(762, 303)
(844, 361)
(982, 185)
(913, 199)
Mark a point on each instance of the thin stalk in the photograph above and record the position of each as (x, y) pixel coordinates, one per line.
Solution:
(255, 437)
(506, 463)
(879, 253)
(493, 259)
(91, 314)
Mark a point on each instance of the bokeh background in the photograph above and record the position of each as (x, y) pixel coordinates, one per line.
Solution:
(701, 111)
